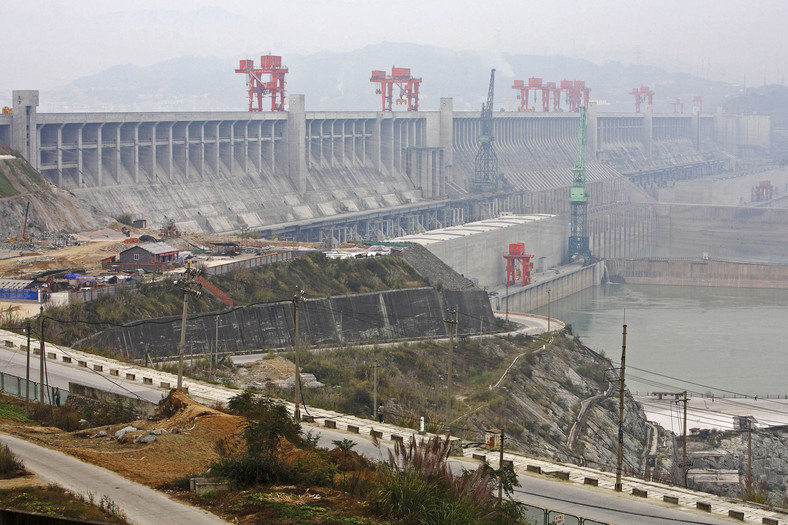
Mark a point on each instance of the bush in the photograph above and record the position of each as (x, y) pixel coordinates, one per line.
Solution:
(417, 486)
(10, 465)
(250, 470)
(125, 218)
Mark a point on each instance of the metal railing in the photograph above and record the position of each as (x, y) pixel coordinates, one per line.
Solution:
(534, 515)
(17, 386)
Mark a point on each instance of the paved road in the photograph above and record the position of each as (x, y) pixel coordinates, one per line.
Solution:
(590, 503)
(141, 504)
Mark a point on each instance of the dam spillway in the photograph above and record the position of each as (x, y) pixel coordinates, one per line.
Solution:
(353, 175)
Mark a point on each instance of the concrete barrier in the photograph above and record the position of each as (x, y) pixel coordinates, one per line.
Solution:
(83, 364)
(507, 463)
(51, 355)
(397, 437)
(330, 424)
(164, 384)
(591, 481)
(702, 505)
(533, 468)
(559, 474)
(377, 434)
(736, 514)
(147, 380)
(480, 457)
(66, 359)
(98, 368)
(9, 344)
(37, 351)
(770, 521)
(352, 428)
(640, 493)
(114, 372)
(131, 377)
(671, 499)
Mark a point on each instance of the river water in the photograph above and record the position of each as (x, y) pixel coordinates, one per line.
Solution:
(706, 340)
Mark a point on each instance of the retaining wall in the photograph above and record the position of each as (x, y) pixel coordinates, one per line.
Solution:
(393, 314)
(698, 272)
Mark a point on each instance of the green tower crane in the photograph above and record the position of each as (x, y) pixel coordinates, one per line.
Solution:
(485, 173)
(578, 202)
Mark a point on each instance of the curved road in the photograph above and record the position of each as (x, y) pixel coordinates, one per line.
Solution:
(142, 505)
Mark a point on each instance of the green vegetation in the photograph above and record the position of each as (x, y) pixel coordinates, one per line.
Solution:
(124, 218)
(146, 301)
(10, 465)
(320, 277)
(55, 501)
(416, 485)
(315, 273)
(6, 188)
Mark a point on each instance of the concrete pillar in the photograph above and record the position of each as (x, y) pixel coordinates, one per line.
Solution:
(695, 127)
(447, 140)
(202, 151)
(99, 161)
(591, 130)
(648, 129)
(80, 164)
(24, 137)
(186, 147)
(217, 151)
(170, 164)
(296, 141)
(137, 152)
(60, 155)
(117, 153)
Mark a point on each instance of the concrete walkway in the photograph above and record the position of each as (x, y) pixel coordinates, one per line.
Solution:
(142, 505)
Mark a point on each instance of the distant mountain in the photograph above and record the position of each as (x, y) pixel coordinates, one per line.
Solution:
(339, 81)
(767, 100)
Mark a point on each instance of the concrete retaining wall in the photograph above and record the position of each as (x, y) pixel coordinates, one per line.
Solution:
(95, 395)
(723, 232)
(380, 316)
(571, 280)
(698, 272)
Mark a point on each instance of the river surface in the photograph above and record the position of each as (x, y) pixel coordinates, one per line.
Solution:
(706, 340)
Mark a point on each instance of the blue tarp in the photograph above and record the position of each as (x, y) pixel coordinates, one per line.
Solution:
(18, 295)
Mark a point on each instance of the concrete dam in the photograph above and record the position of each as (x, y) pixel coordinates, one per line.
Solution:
(337, 176)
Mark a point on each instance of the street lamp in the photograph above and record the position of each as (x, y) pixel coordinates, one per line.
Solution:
(548, 309)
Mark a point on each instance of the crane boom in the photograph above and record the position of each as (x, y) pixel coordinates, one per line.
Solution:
(485, 175)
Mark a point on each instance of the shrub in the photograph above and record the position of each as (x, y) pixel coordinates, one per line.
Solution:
(10, 465)
(416, 485)
(125, 218)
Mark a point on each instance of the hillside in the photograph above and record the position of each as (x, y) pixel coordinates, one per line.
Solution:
(52, 209)
(537, 402)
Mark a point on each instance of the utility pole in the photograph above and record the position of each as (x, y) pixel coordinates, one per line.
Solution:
(507, 299)
(548, 309)
(452, 324)
(500, 468)
(375, 389)
(620, 458)
(298, 297)
(41, 366)
(27, 373)
(190, 287)
(684, 444)
(749, 450)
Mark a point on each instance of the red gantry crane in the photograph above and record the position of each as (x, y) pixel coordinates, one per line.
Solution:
(260, 87)
(642, 95)
(576, 94)
(400, 77)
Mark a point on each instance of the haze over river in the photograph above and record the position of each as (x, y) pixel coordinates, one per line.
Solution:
(723, 339)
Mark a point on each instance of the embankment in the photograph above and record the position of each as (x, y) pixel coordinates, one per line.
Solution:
(698, 272)
(393, 314)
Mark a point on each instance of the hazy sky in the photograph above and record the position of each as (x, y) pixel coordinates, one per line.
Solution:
(49, 43)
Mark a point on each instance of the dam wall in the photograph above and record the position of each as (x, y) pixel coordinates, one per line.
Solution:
(218, 171)
(361, 318)
(735, 233)
(697, 272)
(569, 280)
